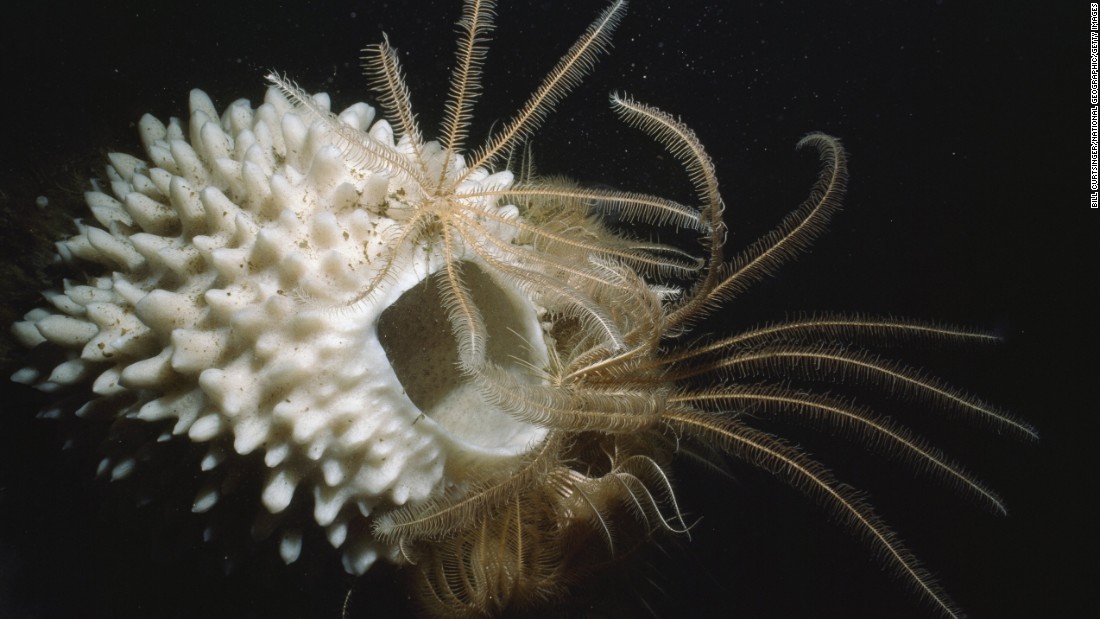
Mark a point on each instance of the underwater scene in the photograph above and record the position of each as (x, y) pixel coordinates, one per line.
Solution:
(625, 309)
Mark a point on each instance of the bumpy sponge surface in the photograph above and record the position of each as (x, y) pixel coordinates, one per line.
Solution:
(230, 311)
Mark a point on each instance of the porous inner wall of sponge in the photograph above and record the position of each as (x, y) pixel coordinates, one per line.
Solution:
(419, 341)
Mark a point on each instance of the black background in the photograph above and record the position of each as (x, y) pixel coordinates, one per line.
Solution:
(966, 124)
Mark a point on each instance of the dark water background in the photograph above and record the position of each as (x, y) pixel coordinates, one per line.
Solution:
(967, 131)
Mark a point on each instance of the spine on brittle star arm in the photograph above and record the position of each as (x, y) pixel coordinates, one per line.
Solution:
(789, 239)
(466, 320)
(682, 143)
(382, 67)
(849, 421)
(474, 29)
(877, 330)
(439, 517)
(575, 408)
(361, 150)
(810, 360)
(553, 292)
(564, 77)
(802, 472)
